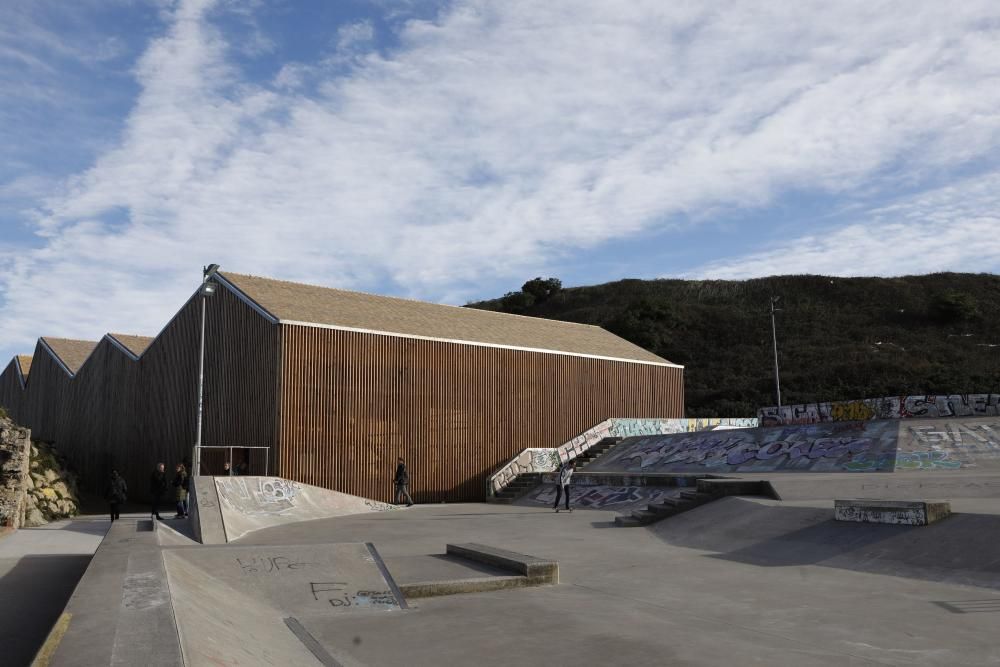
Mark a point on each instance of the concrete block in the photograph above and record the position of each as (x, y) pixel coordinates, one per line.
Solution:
(899, 512)
(537, 570)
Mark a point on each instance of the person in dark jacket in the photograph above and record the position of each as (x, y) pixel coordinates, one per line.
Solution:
(116, 494)
(181, 485)
(157, 489)
(402, 481)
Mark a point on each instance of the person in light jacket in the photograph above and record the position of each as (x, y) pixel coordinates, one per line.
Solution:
(562, 485)
(181, 483)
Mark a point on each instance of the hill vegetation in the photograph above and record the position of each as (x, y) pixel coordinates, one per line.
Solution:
(838, 338)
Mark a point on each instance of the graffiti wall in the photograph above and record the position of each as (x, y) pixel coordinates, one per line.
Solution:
(859, 446)
(888, 407)
(548, 460)
(602, 497)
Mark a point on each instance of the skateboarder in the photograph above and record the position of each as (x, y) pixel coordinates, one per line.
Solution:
(402, 481)
(562, 485)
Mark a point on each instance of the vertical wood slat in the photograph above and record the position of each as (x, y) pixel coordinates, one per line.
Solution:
(455, 412)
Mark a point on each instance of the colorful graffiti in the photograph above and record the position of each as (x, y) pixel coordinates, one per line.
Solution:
(858, 446)
(888, 407)
(812, 448)
(602, 497)
(547, 460)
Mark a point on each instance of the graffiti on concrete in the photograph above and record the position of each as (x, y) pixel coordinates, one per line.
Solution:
(888, 407)
(798, 448)
(257, 495)
(549, 459)
(603, 497)
(903, 461)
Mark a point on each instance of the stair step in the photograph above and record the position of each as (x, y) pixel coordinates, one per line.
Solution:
(627, 522)
(645, 515)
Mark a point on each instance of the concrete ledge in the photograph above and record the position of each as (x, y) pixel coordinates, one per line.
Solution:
(428, 589)
(899, 512)
(537, 570)
(737, 487)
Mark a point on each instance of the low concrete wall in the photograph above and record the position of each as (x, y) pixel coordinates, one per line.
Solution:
(899, 512)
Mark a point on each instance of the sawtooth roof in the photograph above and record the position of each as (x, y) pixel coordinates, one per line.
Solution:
(24, 360)
(134, 344)
(297, 303)
(72, 353)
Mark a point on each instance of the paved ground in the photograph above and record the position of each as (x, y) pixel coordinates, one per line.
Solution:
(39, 568)
(756, 580)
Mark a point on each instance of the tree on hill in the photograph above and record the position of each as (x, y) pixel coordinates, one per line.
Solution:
(838, 338)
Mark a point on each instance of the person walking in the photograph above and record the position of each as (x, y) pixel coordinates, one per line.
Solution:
(181, 483)
(402, 481)
(157, 489)
(562, 485)
(116, 494)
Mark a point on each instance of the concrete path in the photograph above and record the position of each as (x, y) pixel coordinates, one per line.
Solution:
(39, 568)
(752, 580)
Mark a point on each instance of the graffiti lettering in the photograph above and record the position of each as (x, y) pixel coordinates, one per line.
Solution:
(887, 407)
(269, 564)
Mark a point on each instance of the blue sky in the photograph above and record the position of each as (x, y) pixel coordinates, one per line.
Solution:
(450, 150)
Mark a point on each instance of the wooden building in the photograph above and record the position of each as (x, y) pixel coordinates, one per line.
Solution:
(336, 384)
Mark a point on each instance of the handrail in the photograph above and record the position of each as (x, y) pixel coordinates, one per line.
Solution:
(548, 459)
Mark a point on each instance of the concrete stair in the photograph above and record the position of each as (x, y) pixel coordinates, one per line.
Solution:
(594, 452)
(521, 485)
(706, 491)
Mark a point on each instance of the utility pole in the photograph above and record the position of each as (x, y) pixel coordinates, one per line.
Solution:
(774, 338)
(206, 290)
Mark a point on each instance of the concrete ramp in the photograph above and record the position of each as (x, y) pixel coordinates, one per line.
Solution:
(601, 497)
(246, 504)
(863, 446)
(242, 605)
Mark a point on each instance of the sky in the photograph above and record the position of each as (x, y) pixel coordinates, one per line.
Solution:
(449, 151)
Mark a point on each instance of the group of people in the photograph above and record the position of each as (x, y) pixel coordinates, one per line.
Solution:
(117, 491)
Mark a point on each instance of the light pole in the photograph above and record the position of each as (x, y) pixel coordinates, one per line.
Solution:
(206, 290)
(774, 338)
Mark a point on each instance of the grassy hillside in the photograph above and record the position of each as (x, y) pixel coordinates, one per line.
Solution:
(838, 338)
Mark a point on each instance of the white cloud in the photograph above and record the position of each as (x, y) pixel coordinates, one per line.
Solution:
(952, 228)
(497, 137)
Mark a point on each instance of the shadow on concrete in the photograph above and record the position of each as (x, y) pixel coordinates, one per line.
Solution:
(961, 549)
(34, 592)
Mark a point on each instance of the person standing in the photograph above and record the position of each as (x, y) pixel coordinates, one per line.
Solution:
(562, 485)
(116, 494)
(181, 484)
(402, 481)
(158, 488)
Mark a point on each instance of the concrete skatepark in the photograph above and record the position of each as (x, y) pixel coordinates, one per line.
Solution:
(291, 574)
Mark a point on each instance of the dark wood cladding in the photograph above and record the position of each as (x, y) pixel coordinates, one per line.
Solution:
(128, 414)
(335, 407)
(352, 402)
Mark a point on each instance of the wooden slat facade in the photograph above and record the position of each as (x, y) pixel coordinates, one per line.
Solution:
(128, 414)
(352, 402)
(336, 407)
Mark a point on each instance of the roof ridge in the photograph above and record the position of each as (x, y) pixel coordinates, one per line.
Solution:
(406, 299)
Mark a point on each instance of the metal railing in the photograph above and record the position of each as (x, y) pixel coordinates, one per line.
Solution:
(248, 460)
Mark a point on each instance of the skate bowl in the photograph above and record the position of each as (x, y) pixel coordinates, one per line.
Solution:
(913, 445)
(227, 508)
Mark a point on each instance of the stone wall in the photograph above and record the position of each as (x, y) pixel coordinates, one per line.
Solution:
(15, 445)
(51, 486)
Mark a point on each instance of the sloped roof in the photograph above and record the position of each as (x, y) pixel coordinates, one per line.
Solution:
(72, 353)
(24, 360)
(297, 303)
(134, 344)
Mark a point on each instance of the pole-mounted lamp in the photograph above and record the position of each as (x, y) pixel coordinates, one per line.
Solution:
(206, 290)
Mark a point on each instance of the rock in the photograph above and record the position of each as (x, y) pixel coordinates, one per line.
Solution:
(50, 494)
(29, 483)
(51, 476)
(34, 518)
(34, 452)
(39, 478)
(35, 465)
(61, 488)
